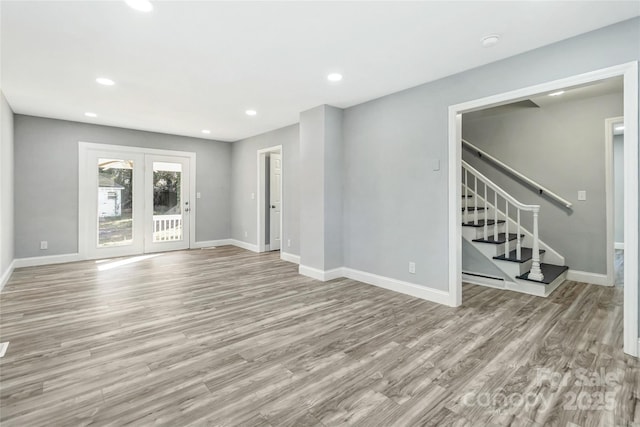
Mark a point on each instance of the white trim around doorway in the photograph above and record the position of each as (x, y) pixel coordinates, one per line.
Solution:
(629, 72)
(261, 194)
(83, 199)
(610, 195)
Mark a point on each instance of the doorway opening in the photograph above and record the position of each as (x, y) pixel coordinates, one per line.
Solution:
(614, 157)
(629, 72)
(270, 200)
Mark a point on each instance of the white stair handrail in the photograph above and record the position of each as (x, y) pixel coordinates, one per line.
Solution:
(495, 187)
(541, 189)
(535, 273)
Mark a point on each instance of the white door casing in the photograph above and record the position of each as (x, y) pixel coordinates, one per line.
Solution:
(275, 181)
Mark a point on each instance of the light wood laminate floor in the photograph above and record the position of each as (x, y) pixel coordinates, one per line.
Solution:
(228, 337)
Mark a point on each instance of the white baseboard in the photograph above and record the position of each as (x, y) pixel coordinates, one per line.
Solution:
(290, 257)
(212, 243)
(418, 291)
(619, 245)
(7, 274)
(586, 277)
(244, 245)
(46, 260)
(322, 275)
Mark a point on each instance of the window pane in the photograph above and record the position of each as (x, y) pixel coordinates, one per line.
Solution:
(167, 207)
(115, 198)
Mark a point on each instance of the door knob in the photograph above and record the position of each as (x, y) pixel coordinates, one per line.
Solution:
(273, 206)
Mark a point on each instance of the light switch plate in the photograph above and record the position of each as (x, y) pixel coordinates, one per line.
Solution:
(582, 195)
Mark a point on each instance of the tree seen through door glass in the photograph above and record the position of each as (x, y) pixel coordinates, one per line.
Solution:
(167, 205)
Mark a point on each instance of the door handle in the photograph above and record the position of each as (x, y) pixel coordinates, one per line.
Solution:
(273, 206)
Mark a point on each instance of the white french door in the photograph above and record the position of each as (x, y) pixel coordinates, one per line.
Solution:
(167, 205)
(133, 202)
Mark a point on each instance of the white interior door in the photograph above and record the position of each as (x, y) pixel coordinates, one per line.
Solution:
(167, 213)
(112, 203)
(275, 179)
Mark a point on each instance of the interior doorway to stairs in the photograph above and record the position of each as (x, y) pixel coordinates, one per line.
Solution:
(629, 73)
(614, 170)
(270, 200)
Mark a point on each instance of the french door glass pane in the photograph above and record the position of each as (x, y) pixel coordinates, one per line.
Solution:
(167, 210)
(115, 202)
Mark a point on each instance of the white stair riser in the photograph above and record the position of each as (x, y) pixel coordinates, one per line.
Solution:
(539, 289)
(514, 269)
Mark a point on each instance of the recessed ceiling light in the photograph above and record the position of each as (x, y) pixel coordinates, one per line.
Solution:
(207, 131)
(105, 81)
(141, 5)
(88, 114)
(251, 112)
(619, 128)
(558, 93)
(334, 77)
(491, 40)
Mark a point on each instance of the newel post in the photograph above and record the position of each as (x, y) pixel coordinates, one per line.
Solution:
(535, 273)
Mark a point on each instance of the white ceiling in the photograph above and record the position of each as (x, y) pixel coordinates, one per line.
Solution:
(188, 66)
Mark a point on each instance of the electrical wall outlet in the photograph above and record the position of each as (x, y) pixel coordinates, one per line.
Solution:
(412, 267)
(44, 245)
(198, 195)
(253, 196)
(288, 243)
(246, 234)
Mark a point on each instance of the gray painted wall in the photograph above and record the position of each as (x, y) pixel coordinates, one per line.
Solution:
(321, 186)
(395, 204)
(562, 147)
(6, 185)
(46, 180)
(312, 203)
(333, 188)
(244, 181)
(618, 183)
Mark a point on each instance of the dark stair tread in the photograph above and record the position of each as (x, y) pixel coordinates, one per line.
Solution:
(525, 254)
(501, 238)
(473, 208)
(481, 223)
(468, 196)
(550, 272)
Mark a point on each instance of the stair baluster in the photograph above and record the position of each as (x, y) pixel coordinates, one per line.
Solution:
(475, 199)
(536, 272)
(486, 216)
(507, 248)
(495, 215)
(466, 196)
(518, 242)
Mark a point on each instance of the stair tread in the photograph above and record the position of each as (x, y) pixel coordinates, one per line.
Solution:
(473, 208)
(481, 223)
(526, 254)
(501, 238)
(550, 272)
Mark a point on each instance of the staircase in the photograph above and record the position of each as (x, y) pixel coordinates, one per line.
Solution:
(493, 222)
